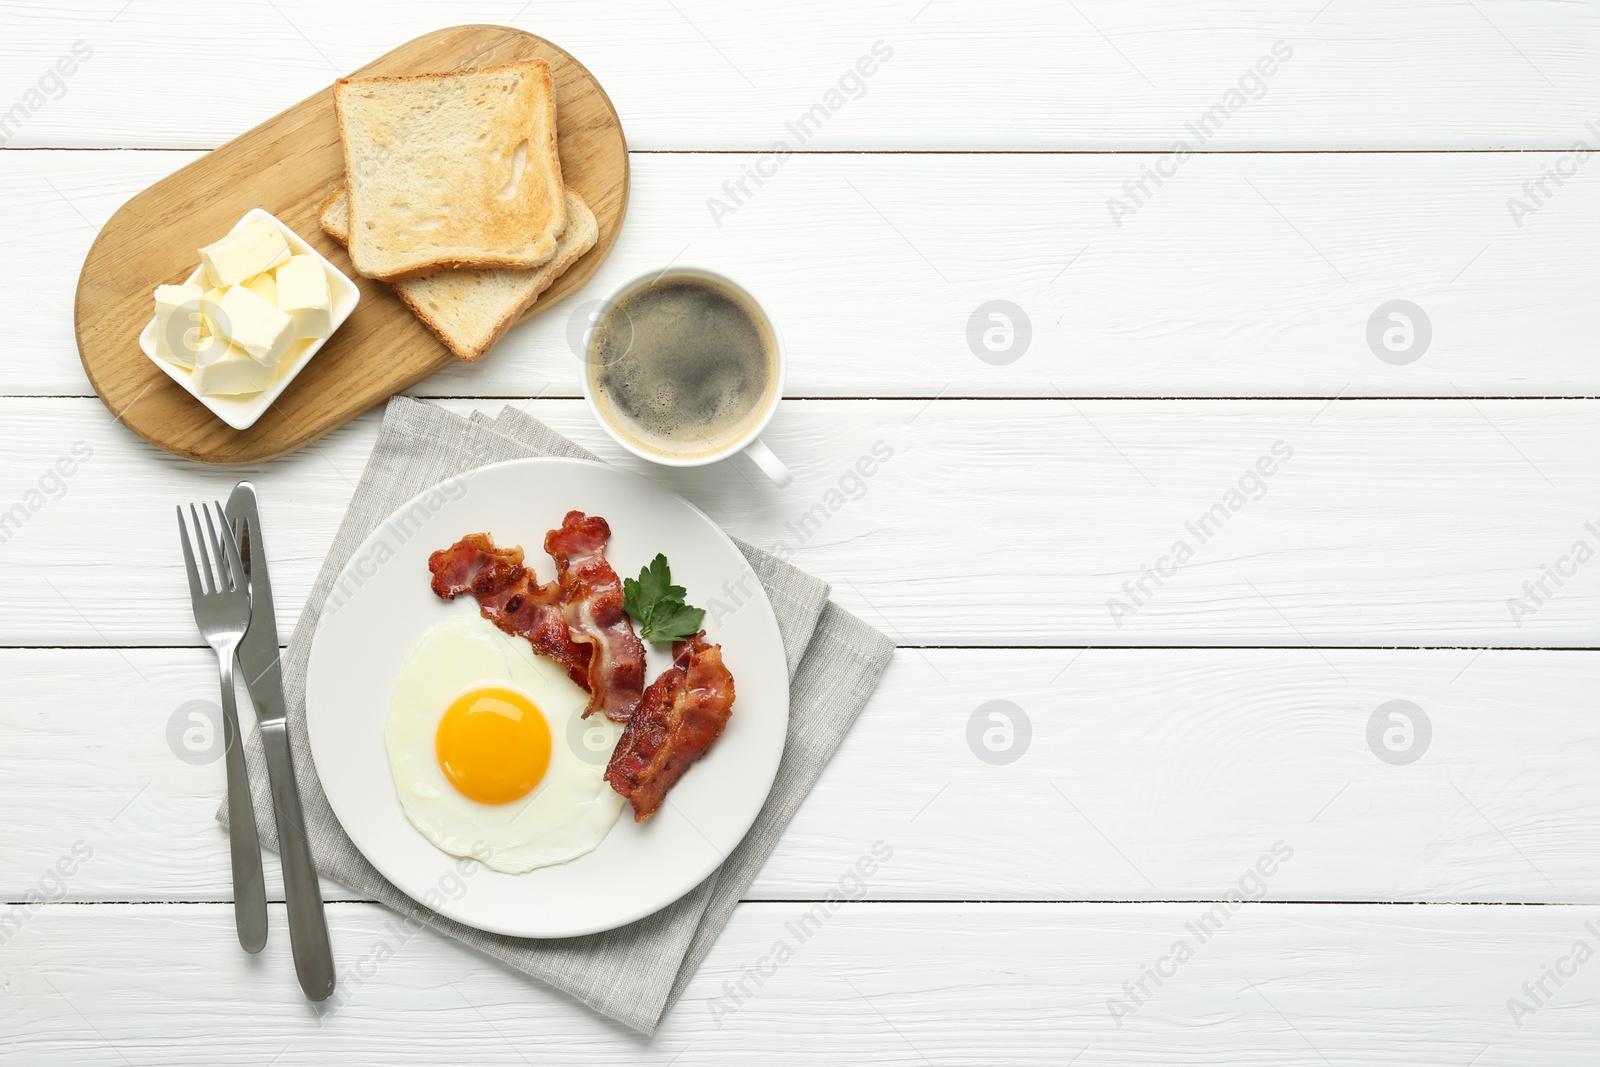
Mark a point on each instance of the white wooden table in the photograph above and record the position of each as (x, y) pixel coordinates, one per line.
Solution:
(1192, 736)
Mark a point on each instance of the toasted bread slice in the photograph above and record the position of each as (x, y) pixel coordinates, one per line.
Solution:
(470, 310)
(452, 171)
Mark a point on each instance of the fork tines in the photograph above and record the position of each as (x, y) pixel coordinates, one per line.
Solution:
(228, 575)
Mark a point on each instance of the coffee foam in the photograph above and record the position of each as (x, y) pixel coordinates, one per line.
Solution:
(683, 366)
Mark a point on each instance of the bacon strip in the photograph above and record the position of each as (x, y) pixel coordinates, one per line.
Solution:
(509, 597)
(679, 718)
(592, 600)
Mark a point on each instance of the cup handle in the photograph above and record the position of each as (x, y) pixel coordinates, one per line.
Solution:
(770, 464)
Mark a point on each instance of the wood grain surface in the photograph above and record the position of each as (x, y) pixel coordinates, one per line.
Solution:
(1026, 75)
(288, 165)
(1227, 313)
(891, 985)
(1207, 291)
(1188, 761)
(994, 522)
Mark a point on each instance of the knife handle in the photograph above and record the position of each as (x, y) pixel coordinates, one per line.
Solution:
(308, 926)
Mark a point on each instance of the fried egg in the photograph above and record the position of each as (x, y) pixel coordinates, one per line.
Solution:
(490, 754)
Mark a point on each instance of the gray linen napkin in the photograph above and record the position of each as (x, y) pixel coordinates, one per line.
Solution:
(636, 973)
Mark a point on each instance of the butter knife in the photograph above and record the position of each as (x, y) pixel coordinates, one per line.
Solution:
(259, 663)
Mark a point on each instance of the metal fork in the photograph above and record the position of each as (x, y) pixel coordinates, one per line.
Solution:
(222, 611)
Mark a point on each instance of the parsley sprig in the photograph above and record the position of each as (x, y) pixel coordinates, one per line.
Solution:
(658, 605)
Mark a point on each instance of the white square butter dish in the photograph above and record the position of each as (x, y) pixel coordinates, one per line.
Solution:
(242, 411)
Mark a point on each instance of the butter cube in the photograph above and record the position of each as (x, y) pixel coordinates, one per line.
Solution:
(264, 286)
(170, 297)
(231, 373)
(208, 314)
(303, 293)
(179, 325)
(253, 250)
(204, 344)
(209, 348)
(254, 325)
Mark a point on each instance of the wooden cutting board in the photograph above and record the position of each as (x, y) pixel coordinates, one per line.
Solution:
(288, 165)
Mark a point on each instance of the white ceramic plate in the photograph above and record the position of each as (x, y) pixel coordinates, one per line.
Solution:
(382, 603)
(242, 411)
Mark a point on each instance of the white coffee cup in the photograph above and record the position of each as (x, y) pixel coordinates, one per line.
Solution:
(749, 441)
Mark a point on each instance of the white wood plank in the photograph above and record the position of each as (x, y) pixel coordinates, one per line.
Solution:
(1138, 775)
(1153, 773)
(1279, 985)
(1245, 275)
(991, 522)
(705, 74)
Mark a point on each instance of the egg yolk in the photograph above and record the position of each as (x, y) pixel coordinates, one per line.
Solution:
(493, 744)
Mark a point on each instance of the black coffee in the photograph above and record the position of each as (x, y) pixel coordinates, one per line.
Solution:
(683, 366)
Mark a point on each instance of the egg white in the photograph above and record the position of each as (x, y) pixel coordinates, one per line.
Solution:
(571, 809)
